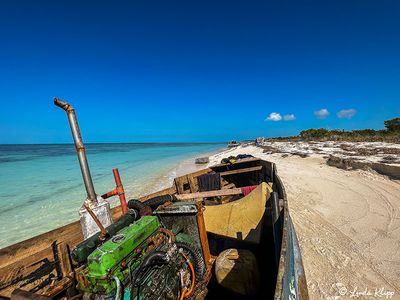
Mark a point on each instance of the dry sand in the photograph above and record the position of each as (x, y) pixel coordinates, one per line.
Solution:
(347, 223)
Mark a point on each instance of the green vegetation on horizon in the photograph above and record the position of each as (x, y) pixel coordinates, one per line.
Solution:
(390, 134)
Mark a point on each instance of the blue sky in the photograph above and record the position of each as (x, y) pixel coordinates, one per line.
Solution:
(196, 70)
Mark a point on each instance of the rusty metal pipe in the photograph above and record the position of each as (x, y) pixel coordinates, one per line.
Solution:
(80, 149)
(109, 194)
(119, 190)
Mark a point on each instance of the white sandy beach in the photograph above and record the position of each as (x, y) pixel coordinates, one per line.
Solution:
(347, 223)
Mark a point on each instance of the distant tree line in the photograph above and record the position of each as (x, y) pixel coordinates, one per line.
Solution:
(392, 125)
(391, 133)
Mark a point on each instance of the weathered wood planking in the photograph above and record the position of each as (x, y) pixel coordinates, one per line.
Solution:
(240, 171)
(24, 295)
(194, 186)
(180, 184)
(27, 273)
(228, 186)
(182, 181)
(216, 193)
(242, 161)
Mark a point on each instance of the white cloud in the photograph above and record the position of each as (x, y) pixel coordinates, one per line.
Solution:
(274, 116)
(289, 117)
(346, 113)
(321, 114)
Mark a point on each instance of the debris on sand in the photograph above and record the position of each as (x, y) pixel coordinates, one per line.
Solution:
(202, 160)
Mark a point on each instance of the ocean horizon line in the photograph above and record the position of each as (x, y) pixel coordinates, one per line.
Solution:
(116, 143)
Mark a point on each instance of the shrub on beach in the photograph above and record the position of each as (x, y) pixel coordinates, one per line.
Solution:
(392, 125)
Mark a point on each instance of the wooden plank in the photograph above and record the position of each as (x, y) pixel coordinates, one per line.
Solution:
(26, 271)
(207, 194)
(24, 295)
(240, 171)
(244, 160)
(228, 186)
(60, 286)
(194, 187)
(179, 182)
(71, 234)
(201, 172)
(203, 236)
(65, 259)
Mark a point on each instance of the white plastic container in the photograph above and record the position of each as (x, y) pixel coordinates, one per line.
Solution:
(103, 212)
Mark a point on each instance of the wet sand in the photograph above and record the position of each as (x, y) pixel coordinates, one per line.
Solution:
(347, 223)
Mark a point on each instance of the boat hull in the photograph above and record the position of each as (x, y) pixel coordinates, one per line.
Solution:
(31, 265)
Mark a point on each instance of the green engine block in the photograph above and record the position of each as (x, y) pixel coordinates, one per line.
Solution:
(116, 256)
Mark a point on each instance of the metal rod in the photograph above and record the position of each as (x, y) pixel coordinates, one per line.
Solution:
(80, 149)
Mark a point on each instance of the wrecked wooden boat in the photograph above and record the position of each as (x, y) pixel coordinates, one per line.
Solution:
(224, 231)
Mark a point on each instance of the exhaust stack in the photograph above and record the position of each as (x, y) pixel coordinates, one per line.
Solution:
(98, 205)
(80, 148)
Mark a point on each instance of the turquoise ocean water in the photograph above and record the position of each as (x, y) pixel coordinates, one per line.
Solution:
(41, 186)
